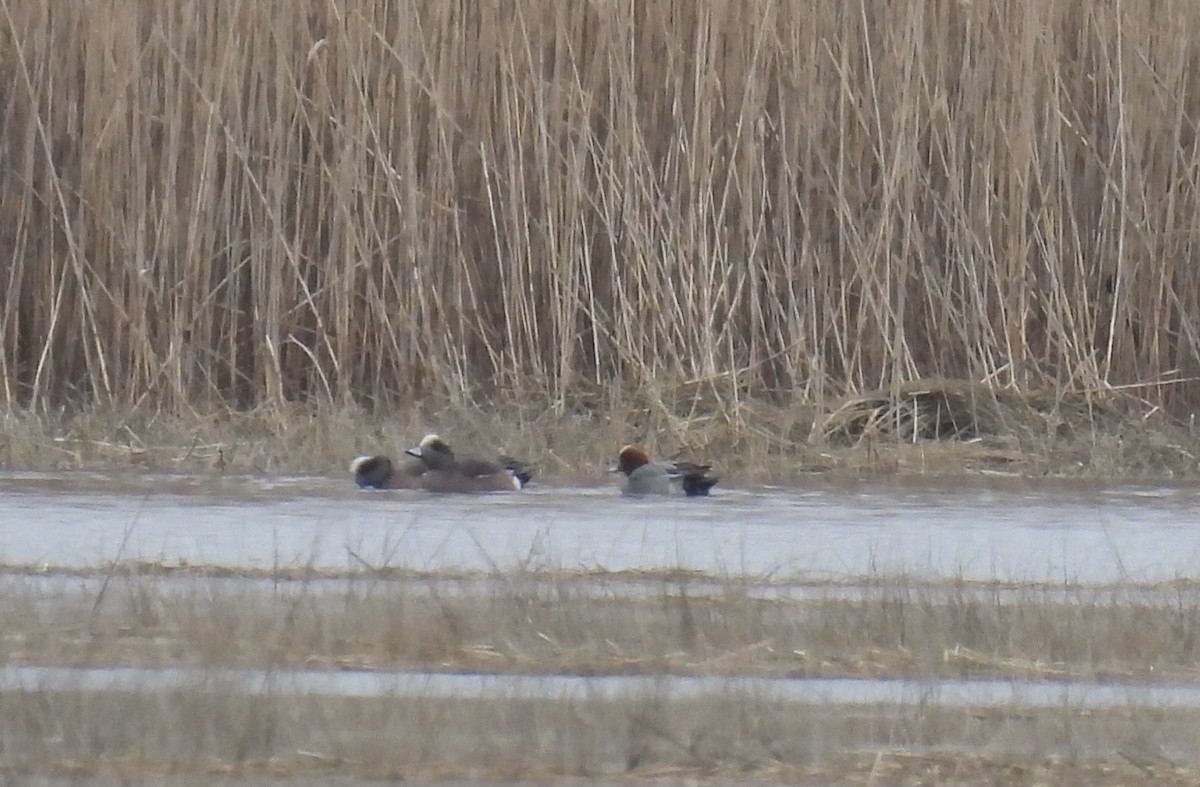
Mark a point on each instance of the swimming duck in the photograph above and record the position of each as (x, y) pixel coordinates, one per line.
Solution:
(445, 472)
(378, 472)
(643, 477)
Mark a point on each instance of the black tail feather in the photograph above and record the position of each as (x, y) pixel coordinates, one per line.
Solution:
(697, 484)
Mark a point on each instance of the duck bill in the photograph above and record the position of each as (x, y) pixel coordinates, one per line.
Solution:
(414, 451)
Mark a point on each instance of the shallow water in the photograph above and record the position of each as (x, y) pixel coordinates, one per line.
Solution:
(840, 691)
(980, 528)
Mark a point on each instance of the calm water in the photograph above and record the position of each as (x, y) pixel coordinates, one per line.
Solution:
(869, 691)
(978, 528)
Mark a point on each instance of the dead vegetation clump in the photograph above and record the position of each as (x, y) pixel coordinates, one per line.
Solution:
(924, 410)
(957, 423)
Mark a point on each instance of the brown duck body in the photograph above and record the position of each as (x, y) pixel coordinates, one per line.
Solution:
(378, 472)
(445, 472)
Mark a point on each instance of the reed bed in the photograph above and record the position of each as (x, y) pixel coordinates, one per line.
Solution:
(677, 206)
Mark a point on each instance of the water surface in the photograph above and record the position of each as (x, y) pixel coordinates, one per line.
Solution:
(840, 691)
(979, 528)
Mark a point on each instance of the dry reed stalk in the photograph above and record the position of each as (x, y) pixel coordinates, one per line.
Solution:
(208, 206)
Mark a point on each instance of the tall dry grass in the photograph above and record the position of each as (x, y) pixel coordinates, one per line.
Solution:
(229, 204)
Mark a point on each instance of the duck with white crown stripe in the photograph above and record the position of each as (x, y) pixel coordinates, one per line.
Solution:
(446, 472)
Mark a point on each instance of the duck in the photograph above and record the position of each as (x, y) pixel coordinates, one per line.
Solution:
(643, 477)
(445, 472)
(378, 472)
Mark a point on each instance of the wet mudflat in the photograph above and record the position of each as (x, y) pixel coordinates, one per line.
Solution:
(981, 529)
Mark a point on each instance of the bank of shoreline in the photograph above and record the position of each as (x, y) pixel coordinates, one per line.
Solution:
(749, 442)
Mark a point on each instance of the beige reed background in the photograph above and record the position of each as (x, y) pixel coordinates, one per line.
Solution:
(240, 202)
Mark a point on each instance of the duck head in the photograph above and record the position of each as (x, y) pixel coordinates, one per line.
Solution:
(371, 472)
(630, 458)
(433, 452)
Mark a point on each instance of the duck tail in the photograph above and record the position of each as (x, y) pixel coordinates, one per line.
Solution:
(697, 484)
(520, 470)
